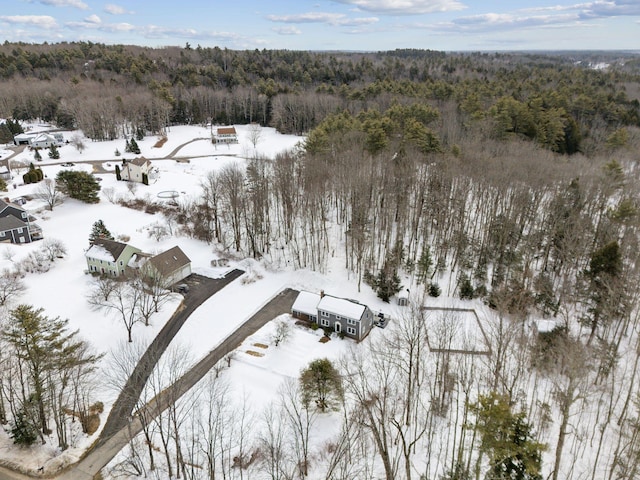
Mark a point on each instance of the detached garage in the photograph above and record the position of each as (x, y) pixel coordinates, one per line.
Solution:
(171, 266)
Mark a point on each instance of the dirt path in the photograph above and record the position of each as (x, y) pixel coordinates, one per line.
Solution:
(102, 454)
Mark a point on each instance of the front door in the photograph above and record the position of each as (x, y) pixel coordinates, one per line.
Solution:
(338, 327)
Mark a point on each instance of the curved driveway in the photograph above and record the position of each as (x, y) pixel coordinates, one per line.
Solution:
(102, 454)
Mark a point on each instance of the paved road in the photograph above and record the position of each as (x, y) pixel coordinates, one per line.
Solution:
(201, 288)
(102, 454)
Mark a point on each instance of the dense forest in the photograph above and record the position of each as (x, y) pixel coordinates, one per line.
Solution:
(510, 178)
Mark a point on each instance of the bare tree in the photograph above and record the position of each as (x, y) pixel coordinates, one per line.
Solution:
(281, 333)
(53, 248)
(78, 142)
(48, 192)
(11, 286)
(123, 300)
(255, 134)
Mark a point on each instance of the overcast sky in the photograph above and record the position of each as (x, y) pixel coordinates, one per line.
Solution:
(330, 24)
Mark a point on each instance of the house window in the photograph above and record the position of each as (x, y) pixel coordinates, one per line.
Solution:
(24, 214)
(338, 317)
(120, 262)
(1, 234)
(20, 230)
(324, 314)
(351, 321)
(324, 322)
(351, 330)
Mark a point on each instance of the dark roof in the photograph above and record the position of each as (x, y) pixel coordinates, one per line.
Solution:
(4, 205)
(11, 223)
(168, 262)
(111, 246)
(140, 161)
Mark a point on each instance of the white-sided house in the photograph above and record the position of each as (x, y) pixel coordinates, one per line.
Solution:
(170, 266)
(226, 135)
(23, 138)
(348, 317)
(43, 140)
(133, 170)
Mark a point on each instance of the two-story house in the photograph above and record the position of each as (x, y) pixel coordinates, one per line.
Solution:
(108, 257)
(134, 170)
(16, 225)
(226, 135)
(341, 315)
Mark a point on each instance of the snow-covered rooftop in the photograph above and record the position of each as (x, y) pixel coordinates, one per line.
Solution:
(306, 302)
(341, 306)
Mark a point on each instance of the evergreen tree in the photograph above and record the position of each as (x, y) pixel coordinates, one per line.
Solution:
(37, 155)
(23, 431)
(133, 147)
(424, 265)
(117, 153)
(139, 134)
(42, 345)
(466, 288)
(3, 185)
(320, 382)
(53, 152)
(127, 147)
(99, 230)
(434, 290)
(118, 174)
(507, 439)
(79, 185)
(145, 179)
(387, 283)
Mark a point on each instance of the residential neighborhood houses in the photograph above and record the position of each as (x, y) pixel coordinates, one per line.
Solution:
(110, 257)
(343, 316)
(17, 225)
(39, 140)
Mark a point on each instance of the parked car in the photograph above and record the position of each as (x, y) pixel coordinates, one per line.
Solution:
(67, 164)
(183, 288)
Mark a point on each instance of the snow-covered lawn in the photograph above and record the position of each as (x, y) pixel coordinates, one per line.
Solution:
(62, 291)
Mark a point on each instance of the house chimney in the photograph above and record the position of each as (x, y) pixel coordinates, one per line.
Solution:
(321, 293)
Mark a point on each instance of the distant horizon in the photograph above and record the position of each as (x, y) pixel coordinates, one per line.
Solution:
(333, 25)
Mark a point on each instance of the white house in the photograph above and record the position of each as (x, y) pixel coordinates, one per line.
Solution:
(133, 170)
(43, 140)
(226, 135)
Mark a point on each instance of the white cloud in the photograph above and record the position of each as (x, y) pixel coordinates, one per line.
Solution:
(43, 21)
(405, 7)
(93, 19)
(66, 3)
(113, 9)
(289, 30)
(339, 19)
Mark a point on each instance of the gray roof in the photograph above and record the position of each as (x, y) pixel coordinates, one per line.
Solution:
(111, 246)
(168, 262)
(140, 161)
(11, 223)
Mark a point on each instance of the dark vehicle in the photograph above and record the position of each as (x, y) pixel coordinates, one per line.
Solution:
(182, 288)
(68, 164)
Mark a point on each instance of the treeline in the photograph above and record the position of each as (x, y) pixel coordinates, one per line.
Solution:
(108, 91)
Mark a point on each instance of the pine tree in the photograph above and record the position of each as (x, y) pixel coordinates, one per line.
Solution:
(99, 230)
(466, 288)
(145, 179)
(320, 382)
(424, 265)
(43, 346)
(118, 174)
(37, 155)
(79, 185)
(133, 147)
(507, 439)
(53, 152)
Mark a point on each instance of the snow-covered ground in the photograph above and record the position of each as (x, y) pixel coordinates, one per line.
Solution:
(63, 290)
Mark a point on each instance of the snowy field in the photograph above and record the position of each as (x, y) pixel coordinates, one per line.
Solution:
(62, 291)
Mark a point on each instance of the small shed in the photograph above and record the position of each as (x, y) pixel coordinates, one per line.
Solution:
(403, 298)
